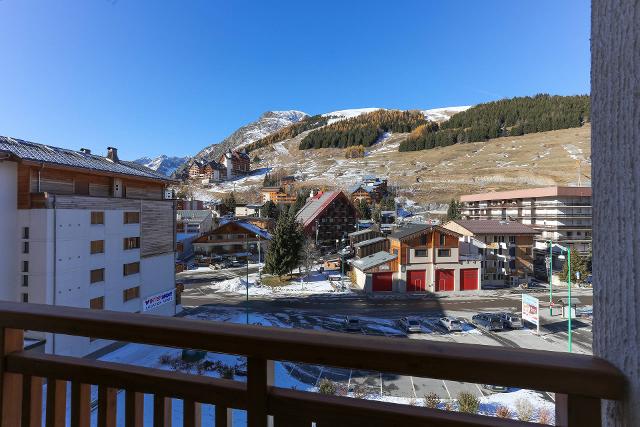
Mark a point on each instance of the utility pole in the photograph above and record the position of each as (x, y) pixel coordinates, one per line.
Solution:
(569, 270)
(246, 243)
(550, 242)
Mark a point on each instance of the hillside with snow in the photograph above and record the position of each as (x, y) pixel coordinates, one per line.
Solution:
(163, 164)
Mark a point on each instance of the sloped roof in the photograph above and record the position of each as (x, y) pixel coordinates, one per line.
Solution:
(373, 260)
(40, 153)
(315, 206)
(369, 242)
(189, 214)
(412, 229)
(494, 226)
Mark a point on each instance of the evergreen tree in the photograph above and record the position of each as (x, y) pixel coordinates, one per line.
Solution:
(363, 209)
(229, 203)
(269, 210)
(388, 203)
(454, 210)
(284, 251)
(578, 264)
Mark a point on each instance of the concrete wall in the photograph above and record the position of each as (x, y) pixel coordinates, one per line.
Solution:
(615, 133)
(9, 230)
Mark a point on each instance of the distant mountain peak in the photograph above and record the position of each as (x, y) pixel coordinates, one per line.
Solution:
(163, 164)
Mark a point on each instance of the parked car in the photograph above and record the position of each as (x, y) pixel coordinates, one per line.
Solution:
(410, 324)
(496, 388)
(237, 263)
(352, 324)
(511, 320)
(451, 324)
(488, 322)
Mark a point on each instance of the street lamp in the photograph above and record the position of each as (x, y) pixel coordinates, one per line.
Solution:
(246, 243)
(550, 243)
(569, 296)
(259, 260)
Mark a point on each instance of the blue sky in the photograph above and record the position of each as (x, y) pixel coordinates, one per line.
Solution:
(154, 77)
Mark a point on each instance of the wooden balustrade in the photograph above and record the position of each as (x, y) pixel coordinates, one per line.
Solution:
(579, 381)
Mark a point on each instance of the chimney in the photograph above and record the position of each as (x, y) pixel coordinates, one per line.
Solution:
(85, 151)
(112, 154)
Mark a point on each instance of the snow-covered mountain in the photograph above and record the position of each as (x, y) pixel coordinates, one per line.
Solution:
(268, 123)
(435, 114)
(163, 164)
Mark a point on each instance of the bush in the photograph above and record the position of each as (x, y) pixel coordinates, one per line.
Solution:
(503, 412)
(431, 400)
(327, 386)
(468, 403)
(524, 410)
(448, 406)
(359, 391)
(544, 416)
(354, 152)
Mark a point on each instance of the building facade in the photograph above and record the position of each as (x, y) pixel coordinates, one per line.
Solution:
(328, 217)
(506, 248)
(233, 239)
(420, 258)
(83, 230)
(236, 163)
(561, 214)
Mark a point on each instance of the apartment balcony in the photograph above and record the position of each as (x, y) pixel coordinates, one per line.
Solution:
(578, 381)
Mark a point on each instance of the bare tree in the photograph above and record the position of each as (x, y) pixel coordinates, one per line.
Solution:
(308, 255)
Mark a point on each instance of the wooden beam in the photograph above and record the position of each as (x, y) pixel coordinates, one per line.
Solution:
(11, 340)
(107, 406)
(577, 411)
(56, 413)
(80, 405)
(32, 401)
(134, 409)
(161, 411)
(223, 416)
(260, 376)
(192, 414)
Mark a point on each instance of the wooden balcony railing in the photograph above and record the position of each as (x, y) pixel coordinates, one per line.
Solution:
(579, 381)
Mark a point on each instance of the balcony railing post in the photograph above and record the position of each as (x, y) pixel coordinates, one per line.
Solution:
(107, 402)
(80, 405)
(192, 414)
(11, 340)
(161, 411)
(56, 415)
(577, 411)
(32, 401)
(134, 409)
(260, 376)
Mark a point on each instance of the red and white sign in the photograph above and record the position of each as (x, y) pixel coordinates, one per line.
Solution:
(531, 310)
(157, 300)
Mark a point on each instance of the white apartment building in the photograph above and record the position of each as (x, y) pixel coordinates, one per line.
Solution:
(83, 230)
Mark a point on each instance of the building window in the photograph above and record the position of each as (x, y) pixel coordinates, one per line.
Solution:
(25, 266)
(444, 252)
(131, 293)
(25, 232)
(395, 252)
(97, 275)
(443, 239)
(131, 268)
(512, 239)
(96, 303)
(420, 253)
(25, 297)
(131, 243)
(97, 246)
(25, 280)
(97, 218)
(25, 247)
(132, 218)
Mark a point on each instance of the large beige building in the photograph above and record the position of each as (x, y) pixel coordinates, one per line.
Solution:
(561, 214)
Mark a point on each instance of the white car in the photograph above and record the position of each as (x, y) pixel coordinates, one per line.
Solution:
(410, 324)
(451, 324)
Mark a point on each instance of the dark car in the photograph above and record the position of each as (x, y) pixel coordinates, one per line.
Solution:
(488, 322)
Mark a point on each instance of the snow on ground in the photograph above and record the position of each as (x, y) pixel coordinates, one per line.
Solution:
(281, 149)
(574, 152)
(336, 116)
(315, 283)
(442, 114)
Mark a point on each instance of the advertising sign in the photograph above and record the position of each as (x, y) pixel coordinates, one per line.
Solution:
(531, 310)
(157, 300)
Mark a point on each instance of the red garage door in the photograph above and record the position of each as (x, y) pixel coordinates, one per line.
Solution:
(444, 280)
(382, 282)
(469, 279)
(416, 280)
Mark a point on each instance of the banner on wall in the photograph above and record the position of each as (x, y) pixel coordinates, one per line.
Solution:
(157, 300)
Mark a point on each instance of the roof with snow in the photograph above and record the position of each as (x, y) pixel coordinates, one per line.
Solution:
(373, 260)
(411, 229)
(40, 153)
(494, 226)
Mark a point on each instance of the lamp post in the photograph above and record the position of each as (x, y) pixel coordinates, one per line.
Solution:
(246, 243)
(569, 296)
(259, 260)
(550, 277)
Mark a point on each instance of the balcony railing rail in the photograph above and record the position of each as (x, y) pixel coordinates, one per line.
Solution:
(579, 381)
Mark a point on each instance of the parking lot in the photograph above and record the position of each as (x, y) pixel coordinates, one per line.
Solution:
(388, 384)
